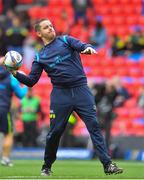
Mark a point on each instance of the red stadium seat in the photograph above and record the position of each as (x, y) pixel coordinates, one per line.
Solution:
(124, 2)
(115, 131)
(106, 63)
(134, 72)
(131, 20)
(25, 1)
(35, 12)
(141, 64)
(128, 9)
(97, 72)
(1, 6)
(118, 20)
(80, 31)
(136, 112)
(121, 31)
(59, 4)
(53, 2)
(102, 9)
(102, 53)
(138, 9)
(112, 2)
(130, 103)
(136, 2)
(142, 72)
(119, 62)
(109, 72)
(122, 112)
(19, 126)
(98, 2)
(122, 71)
(131, 64)
(91, 61)
(107, 20)
(66, 2)
(111, 29)
(139, 131)
(116, 10)
(141, 20)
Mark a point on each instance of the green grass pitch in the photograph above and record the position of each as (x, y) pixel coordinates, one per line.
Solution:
(70, 169)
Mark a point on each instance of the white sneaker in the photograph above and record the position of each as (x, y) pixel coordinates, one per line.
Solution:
(6, 162)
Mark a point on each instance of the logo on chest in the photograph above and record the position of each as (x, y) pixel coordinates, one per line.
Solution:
(59, 59)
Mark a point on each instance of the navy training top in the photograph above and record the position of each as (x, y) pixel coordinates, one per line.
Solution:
(60, 59)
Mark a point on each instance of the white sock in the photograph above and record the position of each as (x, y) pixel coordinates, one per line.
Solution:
(4, 158)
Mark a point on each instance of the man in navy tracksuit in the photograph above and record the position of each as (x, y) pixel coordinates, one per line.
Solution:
(8, 85)
(60, 59)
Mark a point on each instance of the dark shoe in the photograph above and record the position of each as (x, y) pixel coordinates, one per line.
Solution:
(112, 168)
(45, 171)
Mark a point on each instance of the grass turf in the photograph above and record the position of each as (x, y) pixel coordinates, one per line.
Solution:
(30, 169)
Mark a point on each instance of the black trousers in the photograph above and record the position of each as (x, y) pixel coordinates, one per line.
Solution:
(63, 103)
(30, 134)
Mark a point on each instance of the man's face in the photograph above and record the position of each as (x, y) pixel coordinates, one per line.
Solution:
(46, 30)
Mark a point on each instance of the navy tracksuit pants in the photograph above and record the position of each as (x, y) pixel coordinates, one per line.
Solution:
(63, 102)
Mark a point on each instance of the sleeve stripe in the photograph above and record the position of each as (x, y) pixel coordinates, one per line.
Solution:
(37, 57)
(65, 39)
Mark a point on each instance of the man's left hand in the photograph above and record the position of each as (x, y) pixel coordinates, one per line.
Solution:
(89, 50)
(2, 61)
